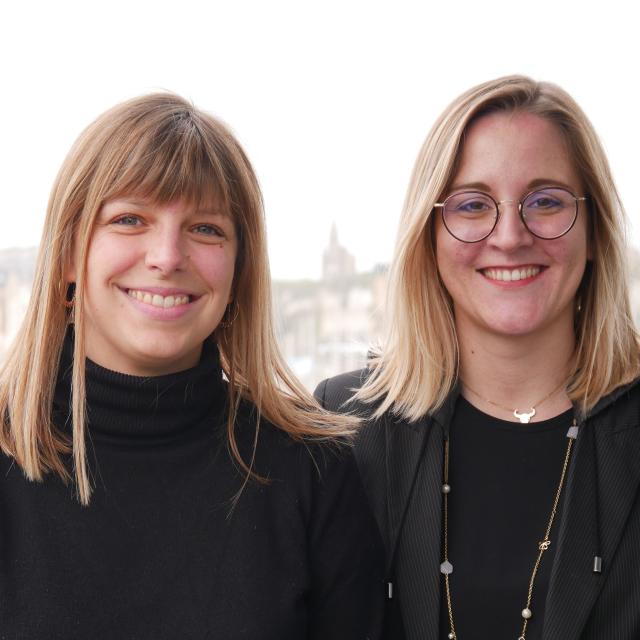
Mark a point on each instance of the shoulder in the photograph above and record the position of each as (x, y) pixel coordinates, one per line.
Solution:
(321, 478)
(303, 462)
(336, 393)
(619, 410)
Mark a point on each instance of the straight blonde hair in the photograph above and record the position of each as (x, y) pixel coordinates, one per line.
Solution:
(417, 364)
(158, 147)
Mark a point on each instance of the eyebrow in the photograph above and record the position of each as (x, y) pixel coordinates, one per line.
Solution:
(145, 204)
(130, 202)
(205, 211)
(534, 184)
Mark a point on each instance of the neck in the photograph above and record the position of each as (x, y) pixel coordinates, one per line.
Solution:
(516, 372)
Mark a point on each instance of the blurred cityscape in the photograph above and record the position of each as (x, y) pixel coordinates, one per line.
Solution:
(16, 275)
(324, 326)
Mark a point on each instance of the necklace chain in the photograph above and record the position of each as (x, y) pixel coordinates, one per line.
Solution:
(446, 568)
(523, 416)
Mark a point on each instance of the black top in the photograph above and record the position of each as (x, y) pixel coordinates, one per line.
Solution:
(161, 552)
(504, 477)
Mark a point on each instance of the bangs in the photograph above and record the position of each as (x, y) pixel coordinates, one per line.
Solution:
(174, 158)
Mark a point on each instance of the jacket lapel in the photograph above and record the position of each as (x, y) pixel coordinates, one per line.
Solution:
(604, 477)
(414, 477)
(405, 446)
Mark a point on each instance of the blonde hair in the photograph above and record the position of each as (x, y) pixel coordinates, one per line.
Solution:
(417, 365)
(158, 147)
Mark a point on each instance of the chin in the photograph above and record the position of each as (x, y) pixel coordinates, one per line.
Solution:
(514, 330)
(167, 358)
(515, 325)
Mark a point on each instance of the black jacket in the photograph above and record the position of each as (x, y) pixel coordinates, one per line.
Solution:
(401, 465)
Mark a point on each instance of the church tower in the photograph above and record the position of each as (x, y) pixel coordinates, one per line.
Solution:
(337, 262)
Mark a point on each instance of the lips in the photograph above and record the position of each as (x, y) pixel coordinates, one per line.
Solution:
(157, 300)
(511, 275)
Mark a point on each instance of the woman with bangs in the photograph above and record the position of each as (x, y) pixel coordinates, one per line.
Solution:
(163, 474)
(501, 452)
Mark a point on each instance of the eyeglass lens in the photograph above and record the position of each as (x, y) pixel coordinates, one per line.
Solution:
(547, 213)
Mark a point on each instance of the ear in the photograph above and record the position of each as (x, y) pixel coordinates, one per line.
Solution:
(589, 248)
(70, 274)
(70, 271)
(232, 290)
(591, 232)
(590, 240)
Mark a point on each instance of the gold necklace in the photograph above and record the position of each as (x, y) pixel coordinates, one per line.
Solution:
(446, 568)
(523, 416)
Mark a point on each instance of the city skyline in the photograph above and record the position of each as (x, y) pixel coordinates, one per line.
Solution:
(324, 325)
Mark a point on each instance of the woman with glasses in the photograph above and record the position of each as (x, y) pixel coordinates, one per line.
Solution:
(502, 447)
(163, 475)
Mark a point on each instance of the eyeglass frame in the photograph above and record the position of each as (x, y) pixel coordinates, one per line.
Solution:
(497, 203)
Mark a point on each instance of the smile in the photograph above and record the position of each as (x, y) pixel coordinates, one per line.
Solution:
(164, 302)
(510, 275)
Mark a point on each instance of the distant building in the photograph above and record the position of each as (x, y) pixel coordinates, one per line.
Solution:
(327, 326)
(337, 262)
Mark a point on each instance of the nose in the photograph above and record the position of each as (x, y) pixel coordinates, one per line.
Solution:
(510, 232)
(166, 251)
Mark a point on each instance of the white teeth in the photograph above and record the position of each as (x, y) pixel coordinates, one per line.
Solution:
(157, 300)
(509, 275)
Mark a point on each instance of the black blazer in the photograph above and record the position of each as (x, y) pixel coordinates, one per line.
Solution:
(401, 465)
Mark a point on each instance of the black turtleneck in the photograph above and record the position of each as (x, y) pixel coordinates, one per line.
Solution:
(161, 552)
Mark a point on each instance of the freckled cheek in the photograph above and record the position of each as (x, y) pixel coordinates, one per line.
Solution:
(572, 255)
(215, 267)
(109, 257)
(452, 256)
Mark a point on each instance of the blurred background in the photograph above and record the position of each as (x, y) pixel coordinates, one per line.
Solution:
(331, 101)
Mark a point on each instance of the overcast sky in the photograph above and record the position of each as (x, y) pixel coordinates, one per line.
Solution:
(331, 100)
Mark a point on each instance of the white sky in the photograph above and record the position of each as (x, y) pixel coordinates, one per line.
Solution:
(331, 100)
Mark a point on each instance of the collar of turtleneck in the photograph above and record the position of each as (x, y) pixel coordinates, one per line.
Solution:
(121, 405)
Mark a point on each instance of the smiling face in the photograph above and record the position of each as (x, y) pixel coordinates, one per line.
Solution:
(512, 283)
(159, 278)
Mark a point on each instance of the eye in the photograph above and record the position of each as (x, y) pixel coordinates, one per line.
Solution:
(549, 201)
(543, 202)
(208, 230)
(473, 206)
(469, 204)
(127, 220)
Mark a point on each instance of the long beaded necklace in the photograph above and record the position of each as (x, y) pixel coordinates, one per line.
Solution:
(446, 568)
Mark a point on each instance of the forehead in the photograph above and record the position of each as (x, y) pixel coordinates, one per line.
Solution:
(510, 150)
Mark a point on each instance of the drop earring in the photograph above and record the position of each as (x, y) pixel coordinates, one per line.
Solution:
(70, 295)
(230, 315)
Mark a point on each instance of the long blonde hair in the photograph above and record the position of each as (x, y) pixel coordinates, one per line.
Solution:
(159, 147)
(417, 365)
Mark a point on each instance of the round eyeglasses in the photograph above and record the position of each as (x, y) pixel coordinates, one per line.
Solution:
(548, 213)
